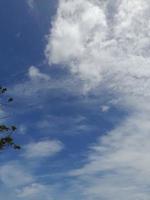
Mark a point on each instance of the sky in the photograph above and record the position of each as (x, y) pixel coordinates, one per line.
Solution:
(78, 71)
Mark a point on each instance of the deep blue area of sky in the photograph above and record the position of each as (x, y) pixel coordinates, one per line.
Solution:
(22, 31)
(22, 43)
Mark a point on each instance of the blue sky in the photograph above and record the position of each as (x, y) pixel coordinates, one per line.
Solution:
(80, 83)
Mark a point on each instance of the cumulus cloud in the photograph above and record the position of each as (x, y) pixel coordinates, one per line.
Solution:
(106, 43)
(112, 44)
(41, 149)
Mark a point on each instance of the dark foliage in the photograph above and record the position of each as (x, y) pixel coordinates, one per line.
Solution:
(6, 132)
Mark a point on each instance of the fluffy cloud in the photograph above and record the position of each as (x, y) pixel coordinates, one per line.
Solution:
(106, 44)
(72, 36)
(112, 44)
(41, 149)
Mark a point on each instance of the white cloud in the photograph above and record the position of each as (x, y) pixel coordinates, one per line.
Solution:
(107, 44)
(35, 191)
(17, 182)
(104, 45)
(41, 149)
(72, 35)
(30, 190)
(119, 163)
(14, 175)
(39, 83)
(105, 108)
(34, 73)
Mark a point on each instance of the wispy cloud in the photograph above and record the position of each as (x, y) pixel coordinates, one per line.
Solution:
(14, 175)
(119, 163)
(30, 3)
(18, 182)
(37, 83)
(35, 190)
(42, 149)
